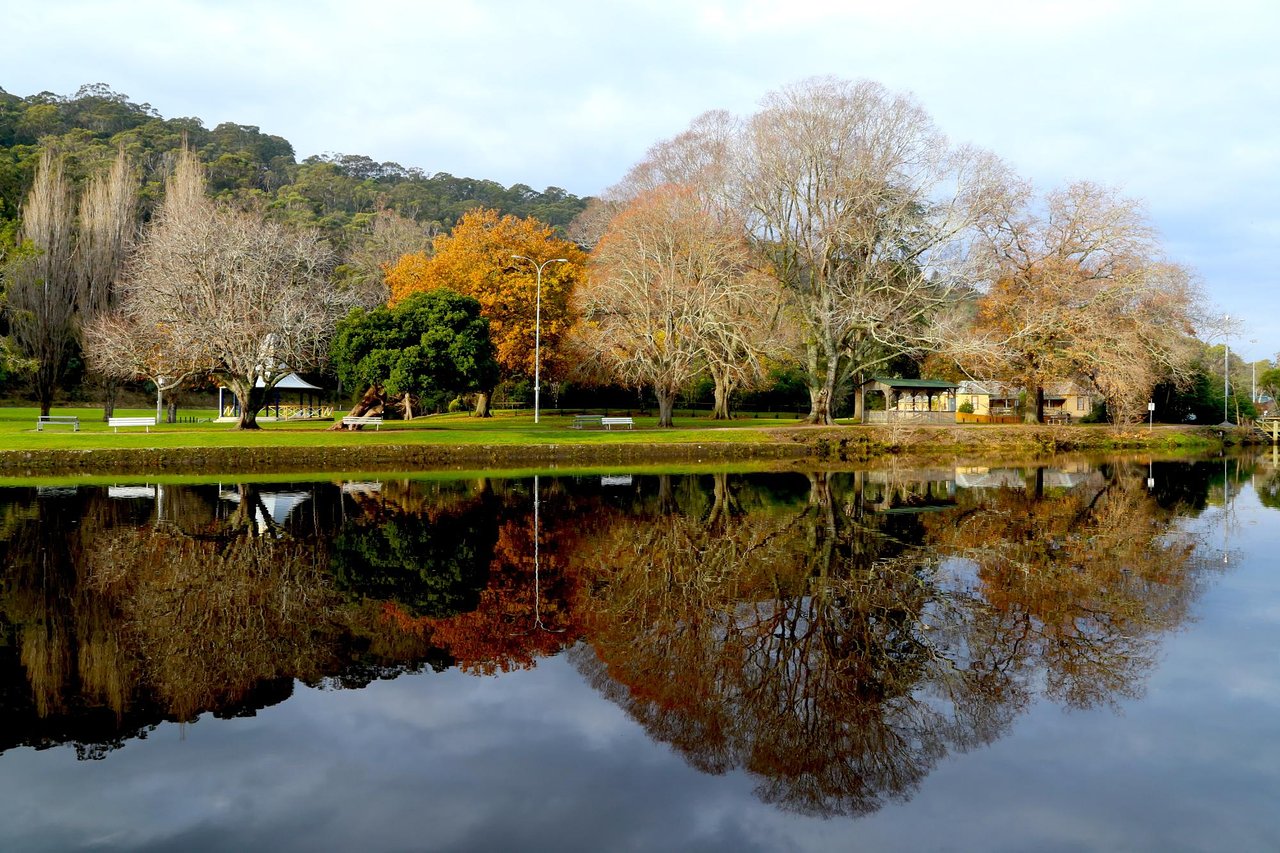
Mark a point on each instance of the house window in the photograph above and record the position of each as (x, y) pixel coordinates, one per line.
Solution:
(1080, 404)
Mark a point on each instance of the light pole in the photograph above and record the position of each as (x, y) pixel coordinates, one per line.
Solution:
(1226, 371)
(537, 331)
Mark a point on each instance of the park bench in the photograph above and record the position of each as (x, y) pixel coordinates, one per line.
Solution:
(610, 423)
(1057, 417)
(584, 421)
(116, 423)
(353, 421)
(43, 421)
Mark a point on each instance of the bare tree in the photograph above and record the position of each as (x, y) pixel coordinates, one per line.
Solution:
(248, 299)
(124, 344)
(667, 283)
(384, 239)
(1081, 292)
(108, 226)
(862, 210)
(42, 288)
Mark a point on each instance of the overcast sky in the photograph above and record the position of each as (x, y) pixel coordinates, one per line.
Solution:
(1176, 103)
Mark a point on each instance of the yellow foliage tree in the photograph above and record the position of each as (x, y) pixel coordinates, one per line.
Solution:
(477, 259)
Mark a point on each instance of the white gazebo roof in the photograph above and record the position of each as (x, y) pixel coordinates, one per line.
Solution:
(291, 382)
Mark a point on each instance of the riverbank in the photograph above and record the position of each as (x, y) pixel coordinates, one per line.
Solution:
(515, 444)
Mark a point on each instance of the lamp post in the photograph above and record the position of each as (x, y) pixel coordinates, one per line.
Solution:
(537, 331)
(1226, 371)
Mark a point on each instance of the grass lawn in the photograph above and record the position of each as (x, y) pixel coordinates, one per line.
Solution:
(18, 431)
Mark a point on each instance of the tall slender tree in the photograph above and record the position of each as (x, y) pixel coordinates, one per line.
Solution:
(42, 286)
(108, 227)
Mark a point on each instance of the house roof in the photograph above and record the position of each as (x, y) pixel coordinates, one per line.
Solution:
(936, 384)
(989, 388)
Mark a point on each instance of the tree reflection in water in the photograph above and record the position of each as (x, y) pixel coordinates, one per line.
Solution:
(833, 635)
(839, 647)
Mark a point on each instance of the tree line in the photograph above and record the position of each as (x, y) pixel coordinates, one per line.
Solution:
(831, 236)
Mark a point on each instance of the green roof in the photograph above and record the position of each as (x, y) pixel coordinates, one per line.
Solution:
(914, 383)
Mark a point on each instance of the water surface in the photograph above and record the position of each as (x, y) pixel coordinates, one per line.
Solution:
(1079, 657)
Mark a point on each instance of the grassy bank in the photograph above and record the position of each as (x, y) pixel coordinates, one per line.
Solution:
(512, 440)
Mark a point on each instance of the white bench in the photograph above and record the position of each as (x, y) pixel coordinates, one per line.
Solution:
(353, 421)
(43, 421)
(584, 421)
(116, 423)
(610, 423)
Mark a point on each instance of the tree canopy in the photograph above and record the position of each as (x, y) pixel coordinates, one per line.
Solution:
(430, 345)
(478, 258)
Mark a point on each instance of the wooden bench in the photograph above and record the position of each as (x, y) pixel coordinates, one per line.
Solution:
(1057, 417)
(57, 420)
(610, 423)
(116, 423)
(584, 421)
(353, 421)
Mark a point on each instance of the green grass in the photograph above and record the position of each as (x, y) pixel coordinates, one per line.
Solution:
(18, 432)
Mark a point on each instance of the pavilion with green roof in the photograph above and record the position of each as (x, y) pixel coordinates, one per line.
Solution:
(923, 401)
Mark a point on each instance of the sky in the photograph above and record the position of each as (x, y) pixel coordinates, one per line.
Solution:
(1174, 103)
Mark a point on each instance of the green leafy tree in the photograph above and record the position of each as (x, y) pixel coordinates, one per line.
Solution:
(430, 346)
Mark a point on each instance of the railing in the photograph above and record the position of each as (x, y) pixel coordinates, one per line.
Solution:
(895, 416)
(286, 412)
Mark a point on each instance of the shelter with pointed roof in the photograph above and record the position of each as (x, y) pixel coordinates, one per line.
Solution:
(291, 399)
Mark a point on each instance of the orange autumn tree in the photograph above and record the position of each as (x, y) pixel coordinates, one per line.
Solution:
(476, 259)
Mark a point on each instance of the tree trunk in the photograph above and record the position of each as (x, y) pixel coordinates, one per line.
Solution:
(46, 384)
(720, 410)
(110, 393)
(482, 404)
(407, 402)
(666, 403)
(371, 403)
(250, 399)
(822, 388)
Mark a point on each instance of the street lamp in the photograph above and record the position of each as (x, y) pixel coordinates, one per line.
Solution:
(1226, 370)
(537, 331)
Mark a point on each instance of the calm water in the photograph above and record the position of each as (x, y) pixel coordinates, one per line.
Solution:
(1084, 657)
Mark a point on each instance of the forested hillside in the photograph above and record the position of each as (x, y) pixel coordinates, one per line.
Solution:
(339, 193)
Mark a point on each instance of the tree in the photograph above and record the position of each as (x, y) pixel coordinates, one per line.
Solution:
(1080, 291)
(249, 300)
(862, 210)
(427, 346)
(108, 226)
(41, 284)
(475, 259)
(668, 292)
(1269, 382)
(384, 237)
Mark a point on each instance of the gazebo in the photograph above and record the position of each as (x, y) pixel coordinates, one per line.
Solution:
(920, 401)
(291, 399)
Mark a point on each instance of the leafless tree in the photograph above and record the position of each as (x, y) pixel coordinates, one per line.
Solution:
(669, 293)
(1082, 292)
(248, 299)
(42, 288)
(108, 226)
(385, 237)
(863, 211)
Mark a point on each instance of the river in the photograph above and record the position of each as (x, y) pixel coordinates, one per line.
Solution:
(1080, 656)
